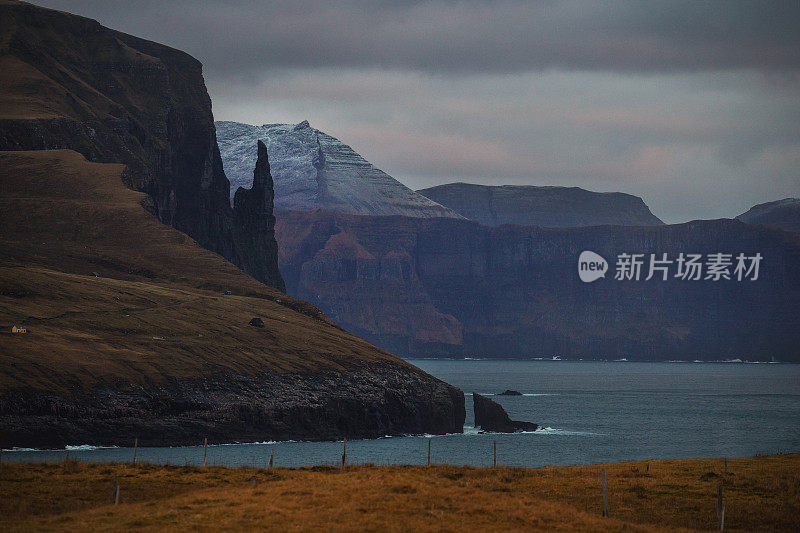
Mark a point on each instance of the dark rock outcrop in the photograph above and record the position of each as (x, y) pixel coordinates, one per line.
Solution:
(256, 322)
(115, 98)
(509, 392)
(367, 403)
(450, 288)
(783, 214)
(491, 416)
(552, 207)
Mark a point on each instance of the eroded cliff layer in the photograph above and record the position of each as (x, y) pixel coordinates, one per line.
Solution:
(69, 82)
(444, 287)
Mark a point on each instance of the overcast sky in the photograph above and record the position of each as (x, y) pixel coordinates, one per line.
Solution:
(695, 106)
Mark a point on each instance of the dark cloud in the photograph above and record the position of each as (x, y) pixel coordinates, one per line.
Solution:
(241, 36)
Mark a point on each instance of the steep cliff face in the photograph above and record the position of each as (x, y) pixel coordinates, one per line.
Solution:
(136, 331)
(515, 291)
(784, 214)
(71, 83)
(552, 207)
(314, 170)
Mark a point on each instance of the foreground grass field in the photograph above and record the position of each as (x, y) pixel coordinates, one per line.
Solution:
(761, 494)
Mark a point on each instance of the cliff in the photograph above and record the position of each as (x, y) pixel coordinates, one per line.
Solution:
(784, 214)
(314, 170)
(136, 328)
(552, 207)
(136, 331)
(444, 287)
(69, 82)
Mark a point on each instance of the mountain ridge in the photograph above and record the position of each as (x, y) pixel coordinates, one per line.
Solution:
(784, 214)
(547, 206)
(314, 170)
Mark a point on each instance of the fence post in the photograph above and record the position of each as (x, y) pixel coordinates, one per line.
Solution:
(720, 509)
(116, 491)
(605, 496)
(429, 452)
(271, 456)
(495, 453)
(205, 445)
(135, 448)
(344, 452)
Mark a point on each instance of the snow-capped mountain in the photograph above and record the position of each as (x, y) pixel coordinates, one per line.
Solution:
(313, 170)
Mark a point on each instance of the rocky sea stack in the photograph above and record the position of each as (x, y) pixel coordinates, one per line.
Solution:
(491, 416)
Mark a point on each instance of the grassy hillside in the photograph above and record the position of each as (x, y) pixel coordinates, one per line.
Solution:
(110, 295)
(760, 494)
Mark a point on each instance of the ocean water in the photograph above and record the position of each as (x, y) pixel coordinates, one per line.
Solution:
(589, 411)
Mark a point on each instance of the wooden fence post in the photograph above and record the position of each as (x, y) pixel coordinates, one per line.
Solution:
(116, 491)
(429, 452)
(605, 496)
(205, 445)
(720, 509)
(135, 448)
(271, 456)
(495, 454)
(344, 452)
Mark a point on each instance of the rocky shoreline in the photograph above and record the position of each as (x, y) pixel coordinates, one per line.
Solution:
(363, 403)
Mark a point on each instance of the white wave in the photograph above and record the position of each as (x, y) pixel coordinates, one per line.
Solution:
(87, 448)
(512, 395)
(557, 431)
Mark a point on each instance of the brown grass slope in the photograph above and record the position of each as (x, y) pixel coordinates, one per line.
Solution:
(760, 494)
(158, 307)
(115, 300)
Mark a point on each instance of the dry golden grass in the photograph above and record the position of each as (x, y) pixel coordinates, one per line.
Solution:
(158, 309)
(761, 493)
